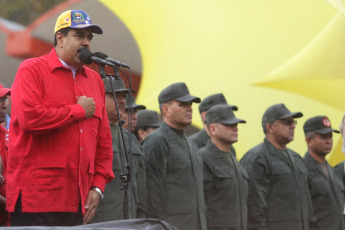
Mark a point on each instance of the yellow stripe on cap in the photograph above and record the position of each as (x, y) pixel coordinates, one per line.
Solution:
(63, 21)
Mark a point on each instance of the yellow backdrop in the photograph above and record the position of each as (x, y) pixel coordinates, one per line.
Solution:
(256, 52)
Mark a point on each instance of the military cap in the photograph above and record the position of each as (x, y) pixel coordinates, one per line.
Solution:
(118, 84)
(278, 112)
(318, 124)
(148, 118)
(130, 103)
(222, 114)
(177, 91)
(215, 99)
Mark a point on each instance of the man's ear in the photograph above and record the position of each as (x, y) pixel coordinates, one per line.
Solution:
(165, 109)
(59, 38)
(308, 140)
(212, 129)
(269, 128)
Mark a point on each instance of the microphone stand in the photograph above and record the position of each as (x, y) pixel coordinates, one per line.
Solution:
(126, 177)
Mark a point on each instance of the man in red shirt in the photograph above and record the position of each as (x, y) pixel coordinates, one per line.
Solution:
(4, 98)
(60, 150)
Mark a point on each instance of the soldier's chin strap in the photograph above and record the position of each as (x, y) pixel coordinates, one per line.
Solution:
(126, 169)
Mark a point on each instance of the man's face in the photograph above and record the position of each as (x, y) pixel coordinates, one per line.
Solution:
(283, 130)
(133, 119)
(71, 45)
(321, 144)
(225, 133)
(111, 108)
(179, 114)
(4, 101)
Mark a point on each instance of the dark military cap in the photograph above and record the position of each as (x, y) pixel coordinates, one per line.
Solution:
(222, 114)
(133, 105)
(118, 84)
(215, 99)
(177, 91)
(278, 112)
(148, 118)
(318, 124)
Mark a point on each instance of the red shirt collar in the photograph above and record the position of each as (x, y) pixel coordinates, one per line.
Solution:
(55, 63)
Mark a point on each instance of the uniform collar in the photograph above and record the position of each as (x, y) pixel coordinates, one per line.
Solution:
(312, 162)
(274, 150)
(215, 150)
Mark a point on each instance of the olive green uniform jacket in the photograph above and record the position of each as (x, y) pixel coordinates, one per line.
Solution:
(111, 207)
(225, 190)
(174, 179)
(200, 138)
(279, 197)
(339, 171)
(327, 195)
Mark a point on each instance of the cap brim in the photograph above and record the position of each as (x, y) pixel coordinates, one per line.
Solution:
(294, 115)
(231, 121)
(135, 106)
(188, 98)
(326, 130)
(5, 91)
(95, 29)
(153, 125)
(120, 90)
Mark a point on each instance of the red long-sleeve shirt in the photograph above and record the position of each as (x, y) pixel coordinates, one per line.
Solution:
(4, 217)
(55, 153)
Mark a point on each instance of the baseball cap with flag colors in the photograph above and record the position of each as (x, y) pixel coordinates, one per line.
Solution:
(76, 19)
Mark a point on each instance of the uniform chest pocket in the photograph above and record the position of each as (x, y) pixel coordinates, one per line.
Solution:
(223, 172)
(280, 168)
(179, 157)
(319, 185)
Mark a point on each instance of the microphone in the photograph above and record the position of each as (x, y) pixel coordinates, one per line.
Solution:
(88, 57)
(105, 57)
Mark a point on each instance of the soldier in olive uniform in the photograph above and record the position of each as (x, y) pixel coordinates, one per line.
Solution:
(147, 122)
(130, 113)
(174, 170)
(111, 207)
(278, 196)
(225, 181)
(326, 188)
(201, 138)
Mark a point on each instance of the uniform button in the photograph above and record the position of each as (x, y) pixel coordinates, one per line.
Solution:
(81, 149)
(81, 130)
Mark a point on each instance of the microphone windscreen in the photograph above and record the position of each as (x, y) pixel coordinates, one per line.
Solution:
(85, 56)
(100, 55)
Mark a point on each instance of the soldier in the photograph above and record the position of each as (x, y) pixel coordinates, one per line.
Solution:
(130, 104)
(225, 181)
(326, 189)
(111, 207)
(278, 178)
(200, 138)
(174, 170)
(147, 122)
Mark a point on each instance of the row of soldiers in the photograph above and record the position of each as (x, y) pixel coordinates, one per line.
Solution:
(196, 182)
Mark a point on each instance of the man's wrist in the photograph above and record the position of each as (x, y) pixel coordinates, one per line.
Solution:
(99, 191)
